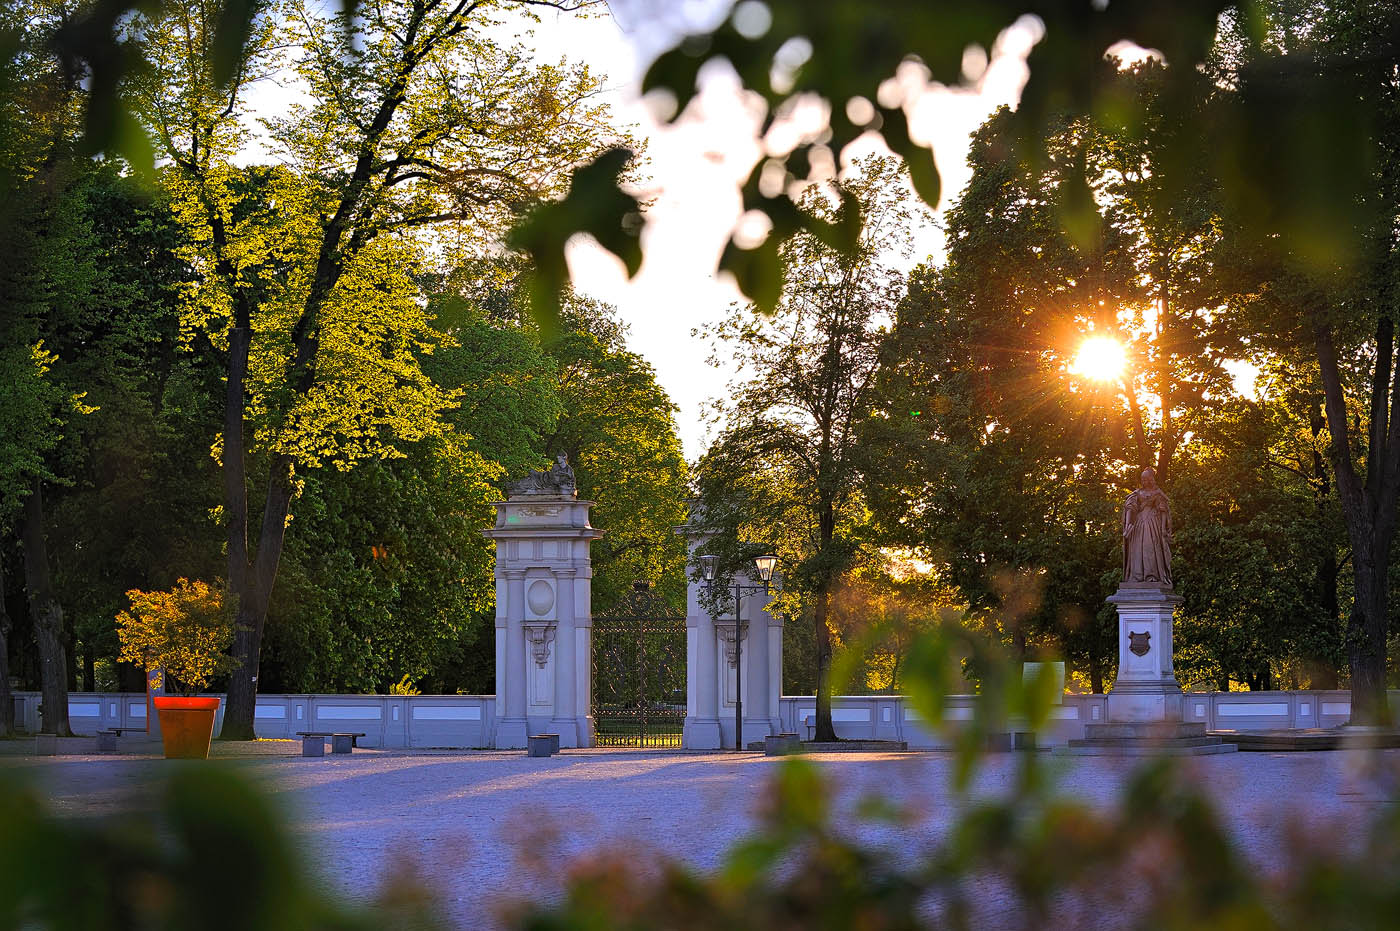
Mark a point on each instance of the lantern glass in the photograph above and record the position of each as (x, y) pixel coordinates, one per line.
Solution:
(708, 565)
(765, 566)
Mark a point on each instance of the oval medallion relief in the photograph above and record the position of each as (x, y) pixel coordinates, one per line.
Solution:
(540, 597)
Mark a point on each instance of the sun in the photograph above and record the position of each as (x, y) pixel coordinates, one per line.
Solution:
(1101, 358)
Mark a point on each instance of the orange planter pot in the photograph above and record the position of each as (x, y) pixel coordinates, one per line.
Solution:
(186, 725)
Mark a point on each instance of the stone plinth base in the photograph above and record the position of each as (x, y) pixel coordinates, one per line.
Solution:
(843, 746)
(1152, 704)
(1144, 730)
(701, 734)
(1203, 746)
(1147, 738)
(512, 734)
(1307, 739)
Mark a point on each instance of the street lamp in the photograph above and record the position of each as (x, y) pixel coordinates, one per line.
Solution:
(709, 565)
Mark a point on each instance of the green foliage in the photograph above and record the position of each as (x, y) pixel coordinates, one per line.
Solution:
(386, 575)
(595, 205)
(28, 422)
(1256, 541)
(184, 632)
(167, 866)
(619, 432)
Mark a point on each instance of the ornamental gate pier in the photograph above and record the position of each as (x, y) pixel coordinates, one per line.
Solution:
(543, 621)
(640, 676)
(639, 673)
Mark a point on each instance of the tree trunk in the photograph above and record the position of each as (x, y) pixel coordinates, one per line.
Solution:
(254, 593)
(1322, 668)
(7, 704)
(241, 702)
(1095, 673)
(1366, 639)
(1369, 509)
(89, 669)
(250, 582)
(48, 617)
(70, 650)
(825, 730)
(826, 529)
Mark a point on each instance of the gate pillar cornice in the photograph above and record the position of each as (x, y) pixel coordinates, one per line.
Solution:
(543, 614)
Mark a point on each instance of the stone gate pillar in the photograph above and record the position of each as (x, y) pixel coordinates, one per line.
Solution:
(544, 616)
(701, 730)
(710, 655)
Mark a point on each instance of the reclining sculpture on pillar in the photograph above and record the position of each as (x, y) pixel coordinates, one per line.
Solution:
(557, 481)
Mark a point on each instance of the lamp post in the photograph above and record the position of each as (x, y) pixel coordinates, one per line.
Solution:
(764, 565)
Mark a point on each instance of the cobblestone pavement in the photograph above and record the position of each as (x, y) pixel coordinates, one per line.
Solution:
(484, 828)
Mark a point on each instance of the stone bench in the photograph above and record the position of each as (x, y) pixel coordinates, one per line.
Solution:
(107, 738)
(543, 744)
(313, 743)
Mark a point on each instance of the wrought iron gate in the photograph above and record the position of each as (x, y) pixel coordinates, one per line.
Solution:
(639, 657)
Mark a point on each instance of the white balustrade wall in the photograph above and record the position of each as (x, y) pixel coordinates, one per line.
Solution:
(892, 717)
(467, 721)
(387, 721)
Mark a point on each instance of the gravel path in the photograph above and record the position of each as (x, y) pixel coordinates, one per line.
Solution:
(485, 828)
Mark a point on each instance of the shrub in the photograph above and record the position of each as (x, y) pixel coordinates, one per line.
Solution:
(185, 632)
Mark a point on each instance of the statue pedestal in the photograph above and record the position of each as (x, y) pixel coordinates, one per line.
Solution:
(1145, 705)
(1146, 689)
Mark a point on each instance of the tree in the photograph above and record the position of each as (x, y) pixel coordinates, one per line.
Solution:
(416, 120)
(48, 274)
(790, 450)
(7, 706)
(1249, 543)
(531, 391)
(1316, 252)
(184, 632)
(999, 467)
(618, 430)
(387, 576)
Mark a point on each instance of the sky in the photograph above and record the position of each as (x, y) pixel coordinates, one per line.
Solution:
(693, 171)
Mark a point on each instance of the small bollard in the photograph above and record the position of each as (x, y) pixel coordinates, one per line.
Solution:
(46, 745)
(542, 744)
(781, 744)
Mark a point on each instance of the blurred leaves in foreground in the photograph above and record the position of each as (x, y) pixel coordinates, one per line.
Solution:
(1014, 850)
(209, 851)
(1160, 857)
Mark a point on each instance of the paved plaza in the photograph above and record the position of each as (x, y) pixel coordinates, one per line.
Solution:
(485, 828)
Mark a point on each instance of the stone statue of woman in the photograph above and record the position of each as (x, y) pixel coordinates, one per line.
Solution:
(1147, 532)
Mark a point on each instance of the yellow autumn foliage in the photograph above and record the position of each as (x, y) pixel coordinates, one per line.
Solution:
(186, 632)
